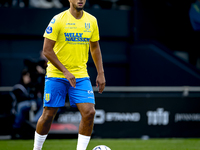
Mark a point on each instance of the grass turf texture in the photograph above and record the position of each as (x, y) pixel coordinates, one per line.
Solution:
(114, 144)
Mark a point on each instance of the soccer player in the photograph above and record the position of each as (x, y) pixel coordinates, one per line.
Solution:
(68, 38)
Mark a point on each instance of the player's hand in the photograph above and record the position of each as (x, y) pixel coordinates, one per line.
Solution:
(100, 82)
(71, 78)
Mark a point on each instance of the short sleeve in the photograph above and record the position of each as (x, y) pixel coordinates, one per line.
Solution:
(52, 29)
(95, 34)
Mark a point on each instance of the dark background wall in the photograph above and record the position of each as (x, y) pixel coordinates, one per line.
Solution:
(168, 22)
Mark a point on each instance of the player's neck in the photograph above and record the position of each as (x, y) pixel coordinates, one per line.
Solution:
(77, 14)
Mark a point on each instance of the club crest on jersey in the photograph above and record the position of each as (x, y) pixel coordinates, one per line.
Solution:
(47, 97)
(87, 26)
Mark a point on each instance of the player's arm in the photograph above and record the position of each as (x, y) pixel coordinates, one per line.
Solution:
(51, 56)
(97, 58)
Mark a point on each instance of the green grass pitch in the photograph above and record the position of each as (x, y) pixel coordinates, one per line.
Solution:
(114, 144)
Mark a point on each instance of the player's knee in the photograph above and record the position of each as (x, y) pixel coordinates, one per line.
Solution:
(90, 114)
(47, 117)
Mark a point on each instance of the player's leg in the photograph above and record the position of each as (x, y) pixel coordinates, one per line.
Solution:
(43, 126)
(83, 97)
(54, 97)
(46, 119)
(87, 111)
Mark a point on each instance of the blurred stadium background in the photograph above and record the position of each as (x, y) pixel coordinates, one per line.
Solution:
(151, 58)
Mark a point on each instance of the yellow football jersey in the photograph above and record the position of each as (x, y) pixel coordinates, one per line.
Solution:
(72, 38)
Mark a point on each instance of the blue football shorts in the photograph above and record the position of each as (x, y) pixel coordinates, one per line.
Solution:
(56, 89)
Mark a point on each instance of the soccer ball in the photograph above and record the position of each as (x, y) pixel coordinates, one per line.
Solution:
(101, 147)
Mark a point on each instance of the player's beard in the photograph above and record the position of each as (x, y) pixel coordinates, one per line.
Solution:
(78, 8)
